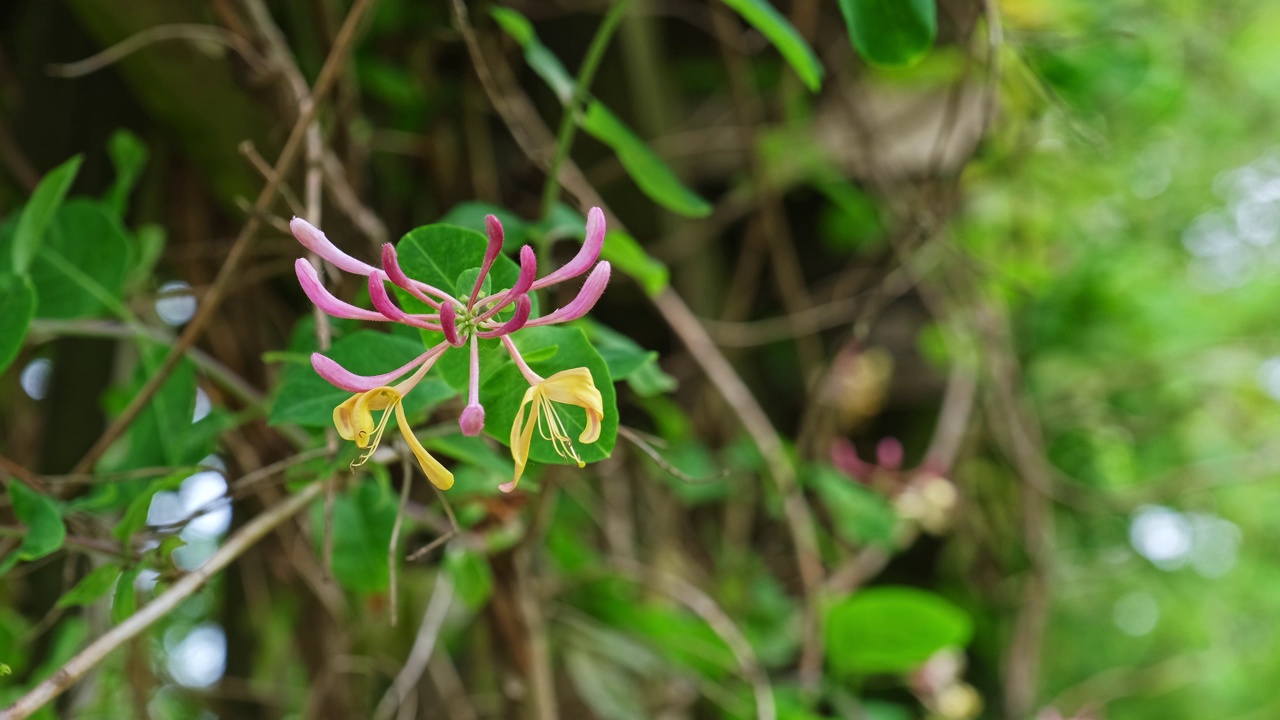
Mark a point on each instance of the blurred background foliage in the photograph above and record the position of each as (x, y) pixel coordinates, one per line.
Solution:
(999, 275)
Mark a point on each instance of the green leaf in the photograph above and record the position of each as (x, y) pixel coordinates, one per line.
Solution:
(471, 575)
(159, 437)
(135, 515)
(129, 156)
(39, 211)
(40, 514)
(650, 173)
(544, 63)
(503, 387)
(437, 255)
(620, 353)
(125, 601)
(765, 18)
(892, 630)
(80, 268)
(307, 399)
(861, 515)
(626, 254)
(651, 380)
(647, 169)
(362, 520)
(17, 307)
(91, 587)
(891, 32)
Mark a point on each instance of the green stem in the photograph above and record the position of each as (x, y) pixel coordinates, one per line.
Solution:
(581, 88)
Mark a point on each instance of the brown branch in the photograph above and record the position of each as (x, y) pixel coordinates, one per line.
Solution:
(187, 31)
(239, 250)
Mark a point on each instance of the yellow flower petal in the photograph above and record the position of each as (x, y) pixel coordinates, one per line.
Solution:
(568, 387)
(522, 435)
(435, 472)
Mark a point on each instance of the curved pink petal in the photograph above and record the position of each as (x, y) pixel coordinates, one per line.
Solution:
(314, 240)
(591, 291)
(309, 279)
(528, 271)
(586, 257)
(449, 325)
(494, 226)
(344, 379)
(382, 302)
(416, 288)
(517, 321)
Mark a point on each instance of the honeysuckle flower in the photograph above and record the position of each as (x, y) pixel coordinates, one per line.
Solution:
(462, 322)
(569, 387)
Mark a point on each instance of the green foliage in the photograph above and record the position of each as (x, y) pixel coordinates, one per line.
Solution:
(644, 166)
(765, 18)
(860, 516)
(648, 170)
(17, 307)
(891, 32)
(891, 630)
(129, 156)
(362, 520)
(92, 587)
(549, 350)
(45, 531)
(470, 574)
(39, 212)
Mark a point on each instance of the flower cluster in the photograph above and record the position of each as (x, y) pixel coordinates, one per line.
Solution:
(463, 322)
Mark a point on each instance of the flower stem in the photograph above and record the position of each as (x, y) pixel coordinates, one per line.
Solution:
(569, 122)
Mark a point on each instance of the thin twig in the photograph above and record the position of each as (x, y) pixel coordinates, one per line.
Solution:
(235, 546)
(183, 31)
(239, 250)
(665, 465)
(424, 644)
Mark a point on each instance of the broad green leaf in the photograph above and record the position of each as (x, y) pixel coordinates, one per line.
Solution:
(437, 255)
(129, 156)
(891, 32)
(82, 264)
(471, 575)
(503, 387)
(471, 215)
(125, 600)
(307, 399)
(860, 515)
(91, 587)
(650, 173)
(45, 531)
(39, 211)
(765, 18)
(543, 62)
(362, 520)
(892, 630)
(17, 307)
